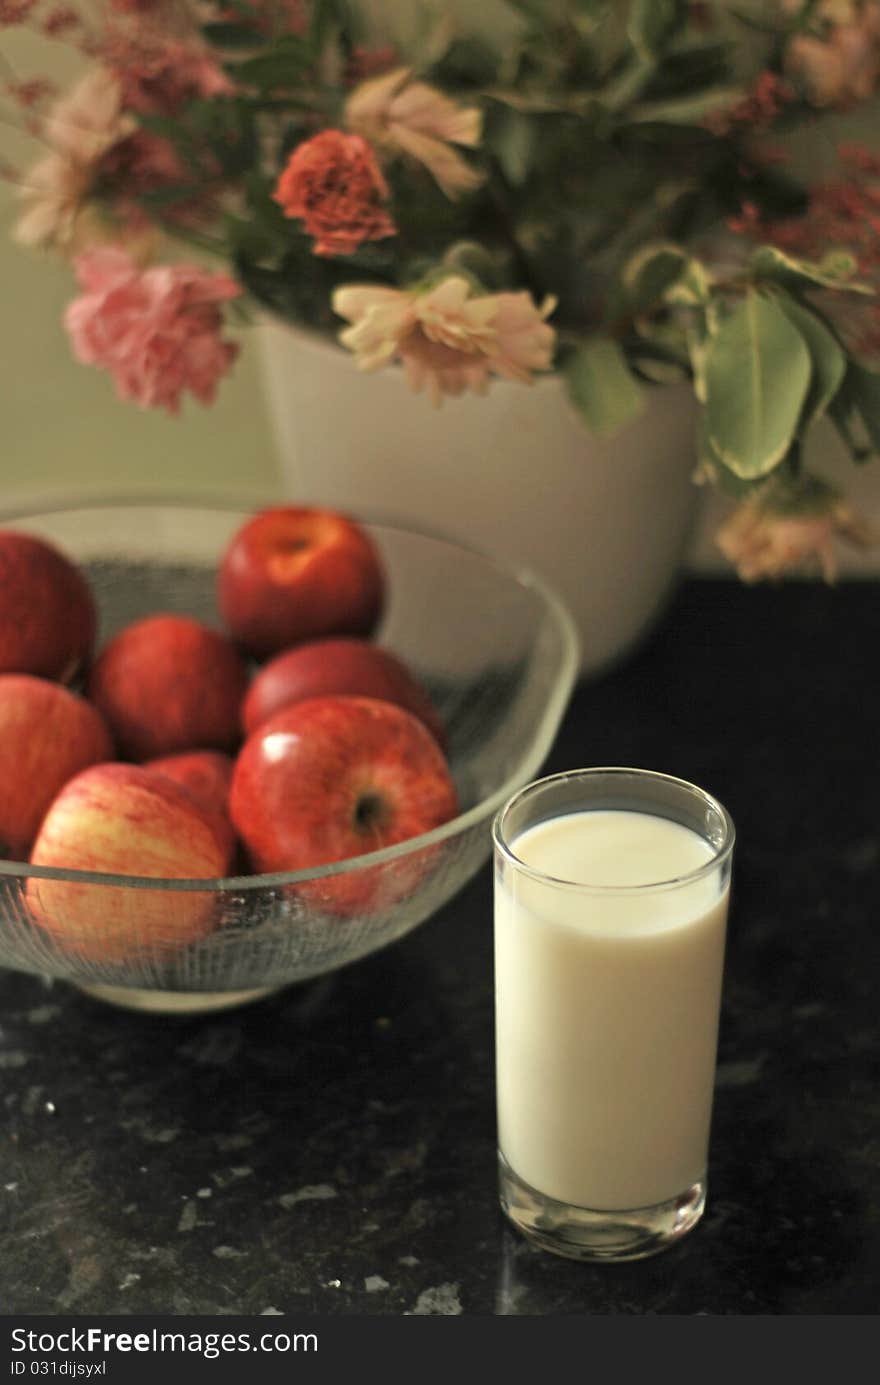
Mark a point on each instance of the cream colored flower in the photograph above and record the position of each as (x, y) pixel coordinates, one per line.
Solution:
(762, 543)
(447, 339)
(400, 116)
(80, 128)
(843, 69)
(843, 65)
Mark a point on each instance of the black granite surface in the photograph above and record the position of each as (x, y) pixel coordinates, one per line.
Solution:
(331, 1150)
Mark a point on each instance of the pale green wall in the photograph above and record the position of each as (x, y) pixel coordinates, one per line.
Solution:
(61, 427)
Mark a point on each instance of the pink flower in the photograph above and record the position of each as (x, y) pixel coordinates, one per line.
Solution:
(31, 92)
(156, 330)
(160, 75)
(333, 183)
(766, 99)
(404, 117)
(143, 163)
(761, 542)
(448, 339)
(62, 19)
(271, 17)
(14, 12)
(135, 6)
(363, 63)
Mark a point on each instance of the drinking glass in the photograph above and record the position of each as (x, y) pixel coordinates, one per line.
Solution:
(611, 895)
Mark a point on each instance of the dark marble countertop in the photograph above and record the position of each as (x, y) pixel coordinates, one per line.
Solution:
(331, 1150)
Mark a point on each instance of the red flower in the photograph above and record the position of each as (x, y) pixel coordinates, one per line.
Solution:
(842, 214)
(332, 182)
(767, 98)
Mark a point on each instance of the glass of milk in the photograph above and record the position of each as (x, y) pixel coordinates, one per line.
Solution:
(611, 891)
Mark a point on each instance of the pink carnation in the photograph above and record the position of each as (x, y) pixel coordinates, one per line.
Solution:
(14, 12)
(270, 17)
(135, 6)
(61, 20)
(157, 330)
(159, 75)
(143, 163)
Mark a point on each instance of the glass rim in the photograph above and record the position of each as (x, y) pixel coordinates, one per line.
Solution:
(720, 854)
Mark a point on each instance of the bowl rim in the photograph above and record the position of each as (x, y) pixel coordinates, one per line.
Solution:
(234, 501)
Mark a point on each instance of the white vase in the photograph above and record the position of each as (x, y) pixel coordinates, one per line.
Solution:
(515, 473)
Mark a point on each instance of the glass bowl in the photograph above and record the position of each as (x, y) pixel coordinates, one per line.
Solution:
(494, 647)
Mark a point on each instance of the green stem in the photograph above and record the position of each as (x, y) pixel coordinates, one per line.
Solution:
(210, 244)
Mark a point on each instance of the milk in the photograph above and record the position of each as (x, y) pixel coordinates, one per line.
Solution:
(607, 1003)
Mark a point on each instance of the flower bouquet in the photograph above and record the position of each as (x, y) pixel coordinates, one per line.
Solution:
(602, 189)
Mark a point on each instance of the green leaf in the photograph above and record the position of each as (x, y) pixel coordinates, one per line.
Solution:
(231, 35)
(490, 269)
(757, 377)
(586, 15)
(834, 271)
(760, 21)
(863, 388)
(652, 23)
(282, 65)
(621, 90)
(691, 66)
(827, 356)
(652, 363)
(467, 62)
(855, 412)
(692, 289)
(514, 139)
(332, 17)
(698, 353)
(601, 385)
(685, 110)
(714, 469)
(532, 9)
(650, 272)
(842, 419)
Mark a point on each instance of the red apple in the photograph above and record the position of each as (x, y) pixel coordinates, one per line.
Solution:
(337, 777)
(47, 735)
(168, 683)
(329, 667)
(206, 774)
(47, 614)
(293, 573)
(125, 820)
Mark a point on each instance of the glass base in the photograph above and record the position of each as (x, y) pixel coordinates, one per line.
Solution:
(173, 1002)
(581, 1234)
